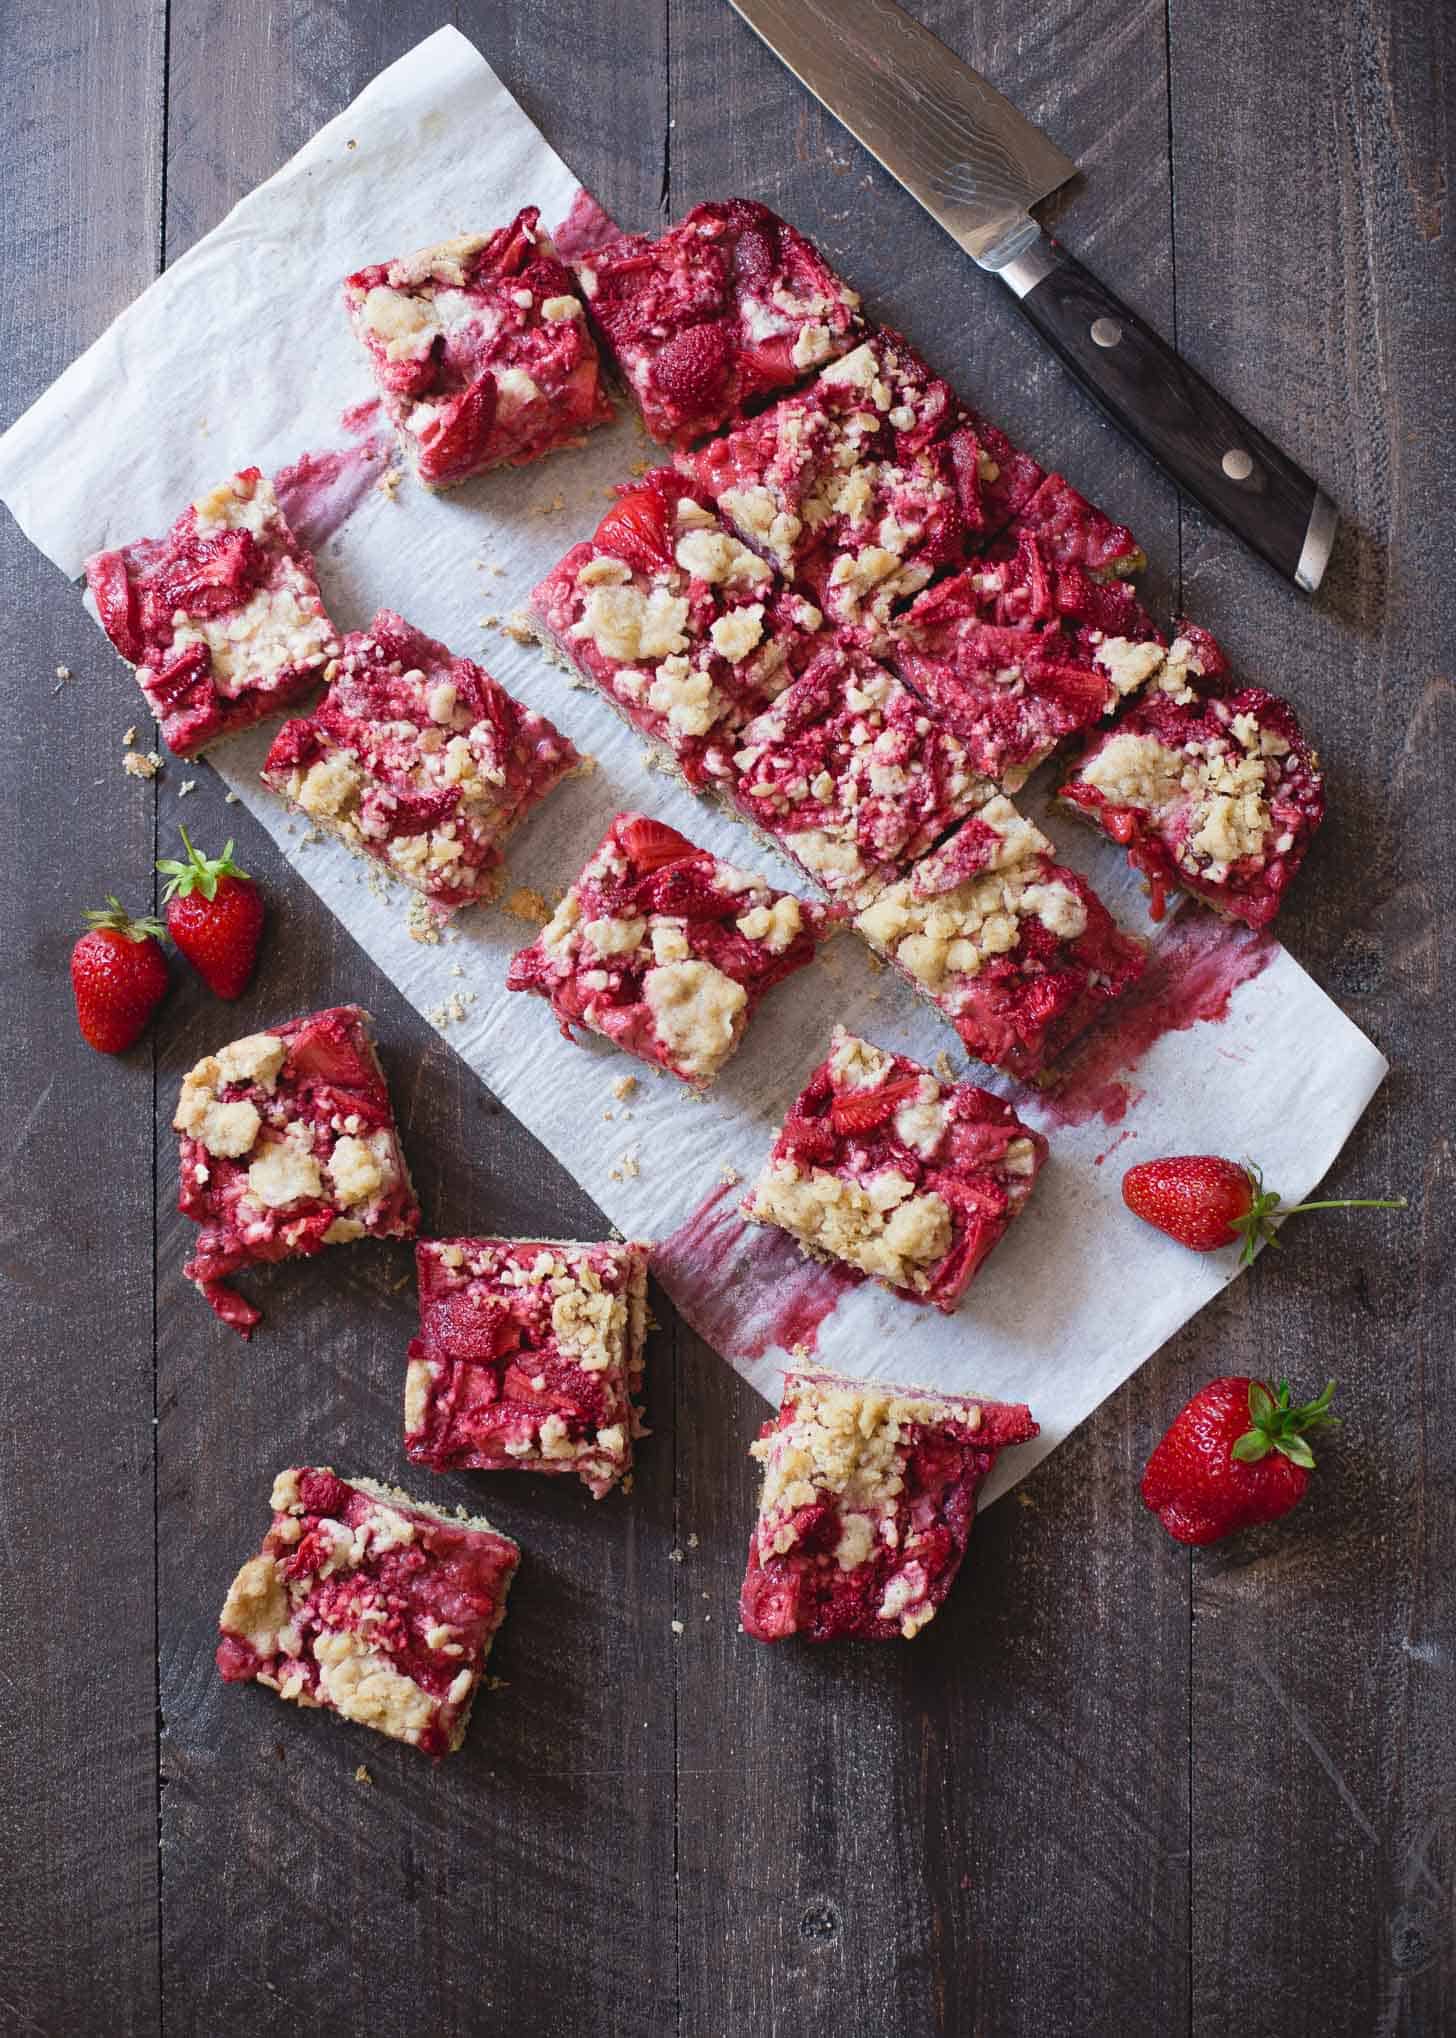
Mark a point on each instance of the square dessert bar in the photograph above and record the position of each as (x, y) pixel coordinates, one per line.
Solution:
(726, 309)
(529, 1357)
(1015, 653)
(864, 485)
(288, 1144)
(665, 950)
(869, 1498)
(1017, 952)
(222, 618)
(849, 772)
(369, 1604)
(882, 1168)
(1214, 793)
(420, 760)
(481, 350)
(686, 631)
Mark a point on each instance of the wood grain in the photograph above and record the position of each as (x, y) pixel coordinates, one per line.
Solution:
(78, 1604)
(1114, 1788)
(1324, 1735)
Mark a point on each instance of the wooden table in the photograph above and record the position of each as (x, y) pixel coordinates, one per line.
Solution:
(1116, 1788)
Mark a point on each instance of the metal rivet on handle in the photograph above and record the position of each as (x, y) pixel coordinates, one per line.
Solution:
(1237, 464)
(1106, 332)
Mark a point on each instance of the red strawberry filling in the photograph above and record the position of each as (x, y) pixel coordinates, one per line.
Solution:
(1015, 654)
(528, 1358)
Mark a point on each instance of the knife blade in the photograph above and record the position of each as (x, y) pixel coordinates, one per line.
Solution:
(978, 166)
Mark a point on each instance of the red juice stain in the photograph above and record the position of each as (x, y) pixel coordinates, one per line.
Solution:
(585, 227)
(1098, 1159)
(1191, 977)
(321, 490)
(746, 1287)
(359, 417)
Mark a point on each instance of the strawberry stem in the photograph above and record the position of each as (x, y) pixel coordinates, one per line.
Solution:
(115, 917)
(1257, 1223)
(199, 873)
(1276, 1426)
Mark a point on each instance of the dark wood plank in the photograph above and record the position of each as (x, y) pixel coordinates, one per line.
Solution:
(531, 1874)
(1315, 278)
(81, 110)
(952, 1837)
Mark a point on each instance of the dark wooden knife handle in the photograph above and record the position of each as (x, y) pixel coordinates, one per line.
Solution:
(1173, 414)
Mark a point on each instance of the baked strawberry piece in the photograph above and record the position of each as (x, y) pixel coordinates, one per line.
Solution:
(850, 773)
(369, 1604)
(222, 618)
(1070, 531)
(1218, 794)
(868, 1501)
(861, 486)
(481, 350)
(529, 1357)
(723, 311)
(420, 760)
(882, 1168)
(665, 950)
(288, 1144)
(1017, 952)
(686, 631)
(1015, 654)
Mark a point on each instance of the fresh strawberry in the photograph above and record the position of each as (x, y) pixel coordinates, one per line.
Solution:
(1206, 1202)
(119, 977)
(1234, 1457)
(650, 844)
(634, 529)
(215, 916)
(863, 1110)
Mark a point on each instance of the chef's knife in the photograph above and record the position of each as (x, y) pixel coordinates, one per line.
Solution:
(978, 166)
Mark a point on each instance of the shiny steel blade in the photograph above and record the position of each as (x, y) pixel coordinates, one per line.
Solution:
(973, 161)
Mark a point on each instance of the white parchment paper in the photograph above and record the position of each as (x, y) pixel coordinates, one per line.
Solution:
(240, 355)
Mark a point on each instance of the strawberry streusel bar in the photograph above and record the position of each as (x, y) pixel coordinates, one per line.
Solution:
(288, 1144)
(222, 618)
(1017, 952)
(866, 483)
(529, 1357)
(665, 950)
(882, 1168)
(1017, 652)
(851, 774)
(481, 350)
(686, 631)
(370, 1605)
(723, 311)
(868, 1501)
(1211, 791)
(420, 760)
